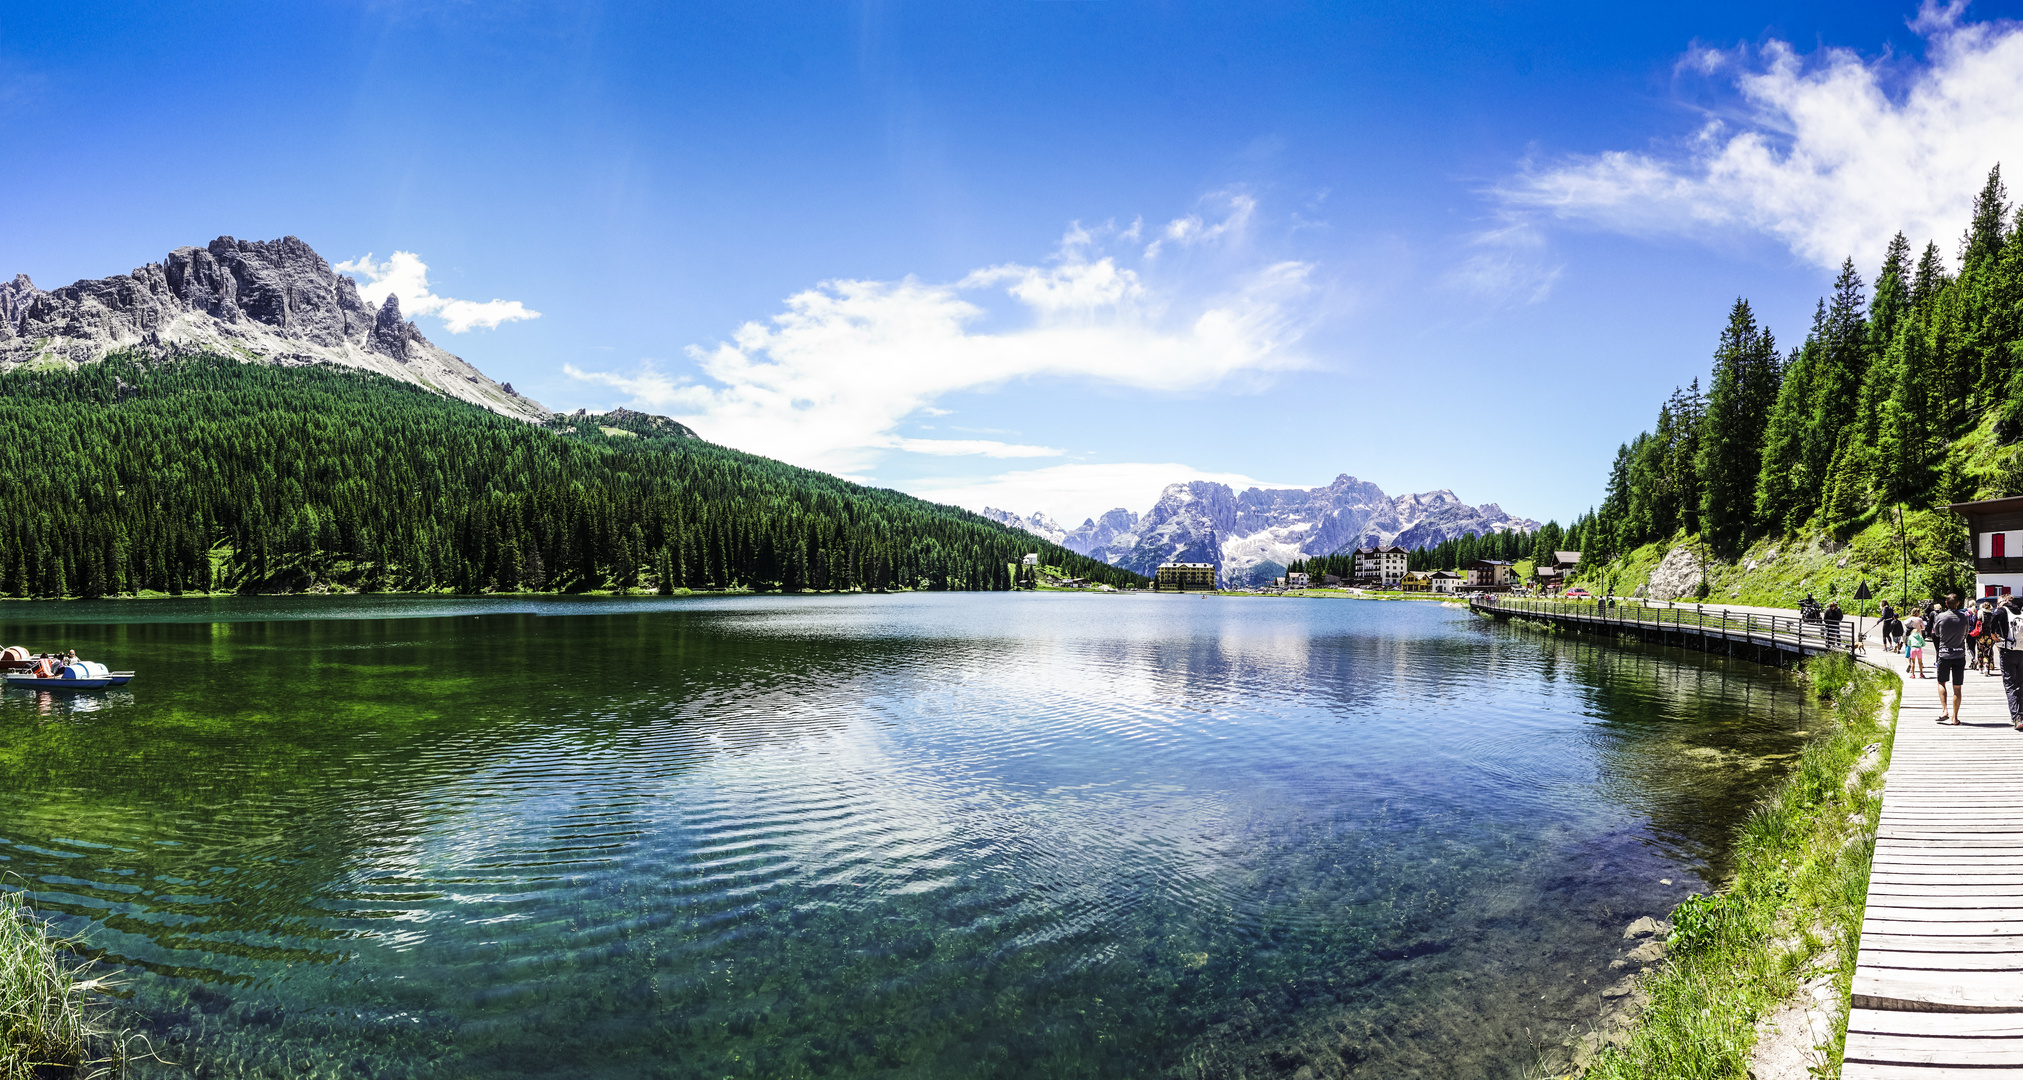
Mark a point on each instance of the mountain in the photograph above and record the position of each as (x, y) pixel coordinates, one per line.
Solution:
(204, 473)
(1039, 525)
(273, 301)
(1253, 535)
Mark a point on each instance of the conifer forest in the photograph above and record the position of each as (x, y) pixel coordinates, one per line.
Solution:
(205, 474)
(1904, 395)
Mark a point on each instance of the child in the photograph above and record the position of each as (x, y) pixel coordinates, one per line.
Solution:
(1914, 647)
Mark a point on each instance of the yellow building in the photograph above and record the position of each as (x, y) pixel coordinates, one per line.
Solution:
(1184, 577)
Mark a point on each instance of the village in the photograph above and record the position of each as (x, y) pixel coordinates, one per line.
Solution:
(1385, 570)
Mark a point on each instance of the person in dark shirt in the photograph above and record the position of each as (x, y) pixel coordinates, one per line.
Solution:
(1893, 627)
(1832, 620)
(1949, 634)
(2005, 626)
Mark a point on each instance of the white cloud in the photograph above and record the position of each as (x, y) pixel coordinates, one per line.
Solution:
(982, 447)
(1070, 493)
(1508, 264)
(828, 382)
(1191, 230)
(404, 275)
(1829, 154)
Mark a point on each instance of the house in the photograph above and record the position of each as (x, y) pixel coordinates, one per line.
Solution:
(1417, 581)
(1551, 574)
(1488, 575)
(1446, 581)
(1031, 559)
(1333, 581)
(1997, 528)
(1184, 577)
(1384, 566)
(1295, 580)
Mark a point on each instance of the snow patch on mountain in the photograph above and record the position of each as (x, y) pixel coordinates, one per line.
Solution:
(1254, 535)
(1039, 525)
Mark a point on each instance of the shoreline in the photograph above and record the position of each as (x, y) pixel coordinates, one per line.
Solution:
(1755, 973)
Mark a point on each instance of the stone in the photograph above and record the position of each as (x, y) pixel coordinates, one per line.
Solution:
(1643, 927)
(1649, 952)
(1621, 988)
(1677, 574)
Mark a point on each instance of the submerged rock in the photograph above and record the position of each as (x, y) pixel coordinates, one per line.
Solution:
(1644, 927)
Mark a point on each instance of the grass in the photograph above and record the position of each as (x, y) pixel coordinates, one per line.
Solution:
(1795, 903)
(1778, 572)
(48, 1012)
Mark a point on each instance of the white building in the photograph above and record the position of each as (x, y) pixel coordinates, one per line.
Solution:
(1997, 528)
(1295, 580)
(1385, 566)
(1447, 581)
(1032, 559)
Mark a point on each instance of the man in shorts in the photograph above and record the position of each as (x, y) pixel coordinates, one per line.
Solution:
(1949, 635)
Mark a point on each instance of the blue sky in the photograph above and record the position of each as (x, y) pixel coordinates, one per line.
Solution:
(1041, 255)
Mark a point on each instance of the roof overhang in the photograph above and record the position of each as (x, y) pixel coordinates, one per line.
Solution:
(2011, 505)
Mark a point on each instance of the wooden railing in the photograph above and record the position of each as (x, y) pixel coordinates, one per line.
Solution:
(1744, 626)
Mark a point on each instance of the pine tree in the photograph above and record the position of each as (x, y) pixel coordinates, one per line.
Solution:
(1983, 238)
(1741, 393)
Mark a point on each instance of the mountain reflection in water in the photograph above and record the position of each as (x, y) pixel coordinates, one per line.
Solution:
(930, 835)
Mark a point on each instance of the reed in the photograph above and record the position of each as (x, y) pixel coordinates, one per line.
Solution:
(48, 1014)
(1794, 905)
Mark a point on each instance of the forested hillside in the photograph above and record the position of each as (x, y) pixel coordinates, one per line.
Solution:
(1508, 545)
(207, 474)
(1905, 396)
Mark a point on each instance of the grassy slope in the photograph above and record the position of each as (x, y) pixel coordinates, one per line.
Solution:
(1794, 905)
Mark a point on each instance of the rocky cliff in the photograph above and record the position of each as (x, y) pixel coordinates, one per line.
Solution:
(1254, 534)
(270, 301)
(1039, 525)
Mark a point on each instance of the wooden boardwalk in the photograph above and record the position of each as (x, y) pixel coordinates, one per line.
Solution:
(1938, 986)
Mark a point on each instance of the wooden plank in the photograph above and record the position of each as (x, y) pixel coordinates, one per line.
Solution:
(1868, 1070)
(1887, 882)
(1943, 942)
(1890, 909)
(1957, 1025)
(1914, 1050)
(1890, 960)
(1952, 898)
(1974, 989)
(1928, 928)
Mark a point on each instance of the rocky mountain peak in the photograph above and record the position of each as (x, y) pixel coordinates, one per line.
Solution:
(1256, 533)
(276, 301)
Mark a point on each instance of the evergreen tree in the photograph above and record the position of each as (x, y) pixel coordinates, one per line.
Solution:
(1742, 391)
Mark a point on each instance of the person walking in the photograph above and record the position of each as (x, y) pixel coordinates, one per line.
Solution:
(1832, 621)
(1893, 627)
(1984, 640)
(1949, 636)
(1914, 647)
(2005, 628)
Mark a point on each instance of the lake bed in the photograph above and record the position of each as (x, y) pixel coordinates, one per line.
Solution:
(924, 835)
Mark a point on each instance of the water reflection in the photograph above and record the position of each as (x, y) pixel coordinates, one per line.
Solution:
(997, 836)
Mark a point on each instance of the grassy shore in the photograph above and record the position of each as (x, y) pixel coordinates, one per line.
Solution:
(1794, 905)
(48, 1015)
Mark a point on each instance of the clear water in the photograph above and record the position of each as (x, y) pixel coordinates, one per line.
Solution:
(908, 836)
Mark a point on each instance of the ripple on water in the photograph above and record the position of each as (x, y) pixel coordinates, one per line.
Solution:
(992, 836)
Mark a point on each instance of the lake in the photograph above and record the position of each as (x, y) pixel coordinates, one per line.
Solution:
(930, 835)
